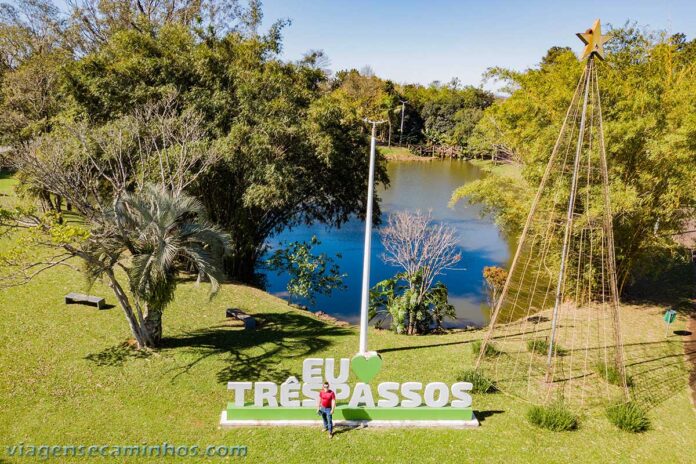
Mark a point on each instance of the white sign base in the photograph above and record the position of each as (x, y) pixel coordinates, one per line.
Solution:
(453, 424)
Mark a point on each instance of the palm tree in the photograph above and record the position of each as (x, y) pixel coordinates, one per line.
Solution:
(163, 234)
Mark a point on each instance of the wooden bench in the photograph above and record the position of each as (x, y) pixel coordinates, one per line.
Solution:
(79, 298)
(249, 321)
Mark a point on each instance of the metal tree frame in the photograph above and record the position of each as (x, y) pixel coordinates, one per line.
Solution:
(589, 296)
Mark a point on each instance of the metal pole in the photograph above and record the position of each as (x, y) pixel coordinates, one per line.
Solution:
(569, 222)
(401, 133)
(365, 300)
(389, 142)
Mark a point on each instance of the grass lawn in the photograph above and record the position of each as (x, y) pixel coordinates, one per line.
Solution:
(67, 379)
(7, 183)
(396, 153)
(503, 169)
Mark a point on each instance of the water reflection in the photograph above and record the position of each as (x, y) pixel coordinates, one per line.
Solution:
(414, 185)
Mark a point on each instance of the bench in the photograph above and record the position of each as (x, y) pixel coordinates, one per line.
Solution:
(79, 298)
(249, 321)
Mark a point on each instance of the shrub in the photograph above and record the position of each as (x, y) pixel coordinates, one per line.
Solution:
(628, 416)
(611, 374)
(481, 383)
(491, 350)
(556, 417)
(541, 346)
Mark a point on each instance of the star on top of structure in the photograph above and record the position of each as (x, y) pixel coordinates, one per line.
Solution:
(594, 41)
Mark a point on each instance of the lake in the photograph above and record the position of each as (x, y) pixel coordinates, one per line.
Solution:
(425, 186)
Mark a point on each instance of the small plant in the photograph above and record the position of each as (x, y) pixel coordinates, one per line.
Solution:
(628, 416)
(491, 350)
(556, 417)
(310, 274)
(541, 346)
(481, 383)
(611, 374)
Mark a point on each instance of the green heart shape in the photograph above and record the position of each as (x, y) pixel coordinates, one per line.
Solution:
(366, 367)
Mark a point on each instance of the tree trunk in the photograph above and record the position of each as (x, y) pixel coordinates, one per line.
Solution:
(153, 324)
(240, 265)
(136, 329)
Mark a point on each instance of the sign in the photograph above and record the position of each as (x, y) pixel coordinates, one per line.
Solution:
(670, 316)
(294, 402)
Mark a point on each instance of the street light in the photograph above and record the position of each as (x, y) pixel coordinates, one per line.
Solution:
(368, 240)
(403, 110)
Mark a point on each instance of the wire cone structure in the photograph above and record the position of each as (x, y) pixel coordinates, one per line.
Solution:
(555, 330)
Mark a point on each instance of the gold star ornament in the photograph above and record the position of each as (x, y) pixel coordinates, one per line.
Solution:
(594, 41)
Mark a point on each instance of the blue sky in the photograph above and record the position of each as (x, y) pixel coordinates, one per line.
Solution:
(423, 41)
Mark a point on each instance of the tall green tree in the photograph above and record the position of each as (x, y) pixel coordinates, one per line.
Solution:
(646, 85)
(289, 153)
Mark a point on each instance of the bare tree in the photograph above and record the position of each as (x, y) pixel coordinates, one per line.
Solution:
(178, 142)
(421, 247)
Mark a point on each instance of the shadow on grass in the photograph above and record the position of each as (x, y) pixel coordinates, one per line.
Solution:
(257, 354)
(463, 342)
(483, 415)
(345, 428)
(418, 347)
(658, 370)
(117, 355)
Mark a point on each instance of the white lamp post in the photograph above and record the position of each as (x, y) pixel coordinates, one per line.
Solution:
(368, 241)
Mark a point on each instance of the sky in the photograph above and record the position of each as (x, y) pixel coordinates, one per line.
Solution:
(423, 41)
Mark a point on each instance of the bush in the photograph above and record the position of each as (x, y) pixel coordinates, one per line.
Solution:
(481, 383)
(491, 350)
(541, 346)
(628, 416)
(556, 417)
(611, 374)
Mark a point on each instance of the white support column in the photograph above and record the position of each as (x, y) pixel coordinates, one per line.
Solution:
(365, 300)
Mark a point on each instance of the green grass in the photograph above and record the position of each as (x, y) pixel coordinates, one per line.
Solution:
(7, 183)
(540, 346)
(490, 351)
(481, 383)
(67, 378)
(611, 374)
(502, 169)
(629, 417)
(555, 417)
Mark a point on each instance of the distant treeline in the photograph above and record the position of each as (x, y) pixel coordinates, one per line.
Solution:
(436, 114)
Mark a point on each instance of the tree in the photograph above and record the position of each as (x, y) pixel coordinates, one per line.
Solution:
(310, 274)
(494, 278)
(164, 233)
(408, 312)
(150, 236)
(423, 250)
(33, 47)
(646, 85)
(120, 222)
(288, 153)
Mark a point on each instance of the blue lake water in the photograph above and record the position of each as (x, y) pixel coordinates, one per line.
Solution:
(425, 186)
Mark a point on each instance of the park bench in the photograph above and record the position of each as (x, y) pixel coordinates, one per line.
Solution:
(249, 321)
(79, 298)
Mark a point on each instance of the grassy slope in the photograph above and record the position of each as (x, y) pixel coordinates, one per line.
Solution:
(66, 380)
(506, 169)
(395, 153)
(7, 184)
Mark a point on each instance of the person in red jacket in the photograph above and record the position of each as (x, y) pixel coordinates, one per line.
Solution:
(326, 405)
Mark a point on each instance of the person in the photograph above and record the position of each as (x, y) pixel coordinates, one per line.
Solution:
(326, 405)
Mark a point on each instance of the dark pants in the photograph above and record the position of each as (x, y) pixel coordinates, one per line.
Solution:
(327, 418)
